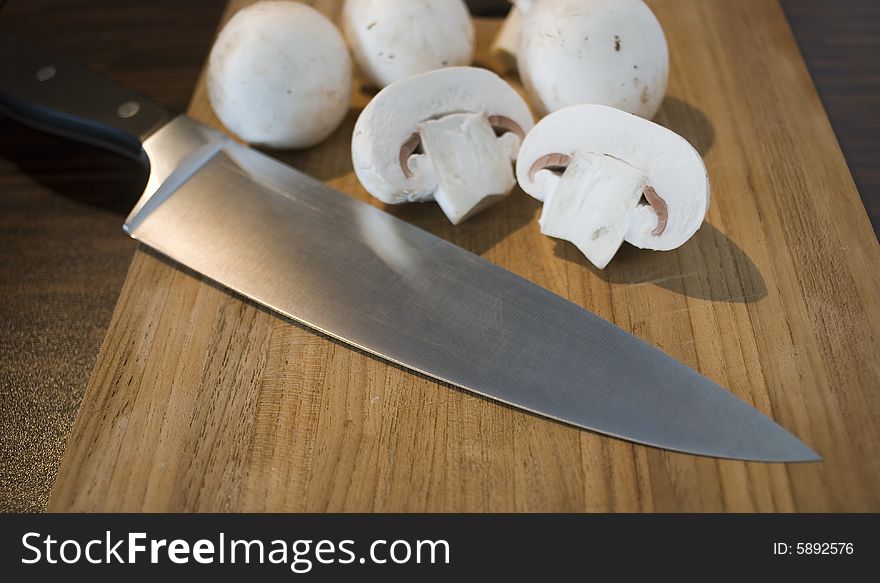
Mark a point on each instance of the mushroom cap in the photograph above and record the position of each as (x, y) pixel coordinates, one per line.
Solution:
(674, 168)
(279, 75)
(392, 40)
(609, 52)
(390, 119)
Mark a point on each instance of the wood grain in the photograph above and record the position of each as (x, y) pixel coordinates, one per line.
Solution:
(202, 401)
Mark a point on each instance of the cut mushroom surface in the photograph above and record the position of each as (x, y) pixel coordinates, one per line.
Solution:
(449, 135)
(592, 205)
(607, 176)
(467, 159)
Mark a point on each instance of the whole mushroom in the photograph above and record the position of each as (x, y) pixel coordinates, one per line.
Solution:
(392, 40)
(607, 176)
(607, 52)
(279, 75)
(449, 135)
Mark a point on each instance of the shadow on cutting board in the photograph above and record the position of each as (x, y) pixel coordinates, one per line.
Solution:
(710, 266)
(327, 160)
(478, 234)
(687, 121)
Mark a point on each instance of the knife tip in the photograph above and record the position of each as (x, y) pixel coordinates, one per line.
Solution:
(808, 455)
(770, 443)
(792, 450)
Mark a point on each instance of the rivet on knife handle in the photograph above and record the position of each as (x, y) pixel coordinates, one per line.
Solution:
(54, 93)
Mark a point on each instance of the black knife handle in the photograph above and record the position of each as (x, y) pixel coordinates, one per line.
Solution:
(54, 93)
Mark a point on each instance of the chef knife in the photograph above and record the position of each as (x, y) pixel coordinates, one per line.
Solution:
(358, 274)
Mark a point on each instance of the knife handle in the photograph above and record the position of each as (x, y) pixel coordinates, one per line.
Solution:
(52, 92)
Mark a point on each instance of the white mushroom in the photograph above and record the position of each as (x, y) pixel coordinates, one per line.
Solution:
(449, 135)
(606, 176)
(392, 40)
(506, 42)
(279, 75)
(609, 52)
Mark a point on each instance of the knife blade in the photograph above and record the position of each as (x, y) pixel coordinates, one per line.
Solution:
(355, 273)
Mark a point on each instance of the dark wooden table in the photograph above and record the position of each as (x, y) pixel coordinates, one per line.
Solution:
(64, 256)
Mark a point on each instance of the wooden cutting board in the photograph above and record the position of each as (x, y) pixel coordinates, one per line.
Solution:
(203, 401)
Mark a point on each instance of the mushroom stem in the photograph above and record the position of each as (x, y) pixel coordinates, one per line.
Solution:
(506, 42)
(471, 164)
(559, 162)
(500, 124)
(659, 206)
(592, 203)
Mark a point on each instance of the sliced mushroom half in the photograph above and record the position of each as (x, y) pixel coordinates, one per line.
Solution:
(607, 176)
(449, 135)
